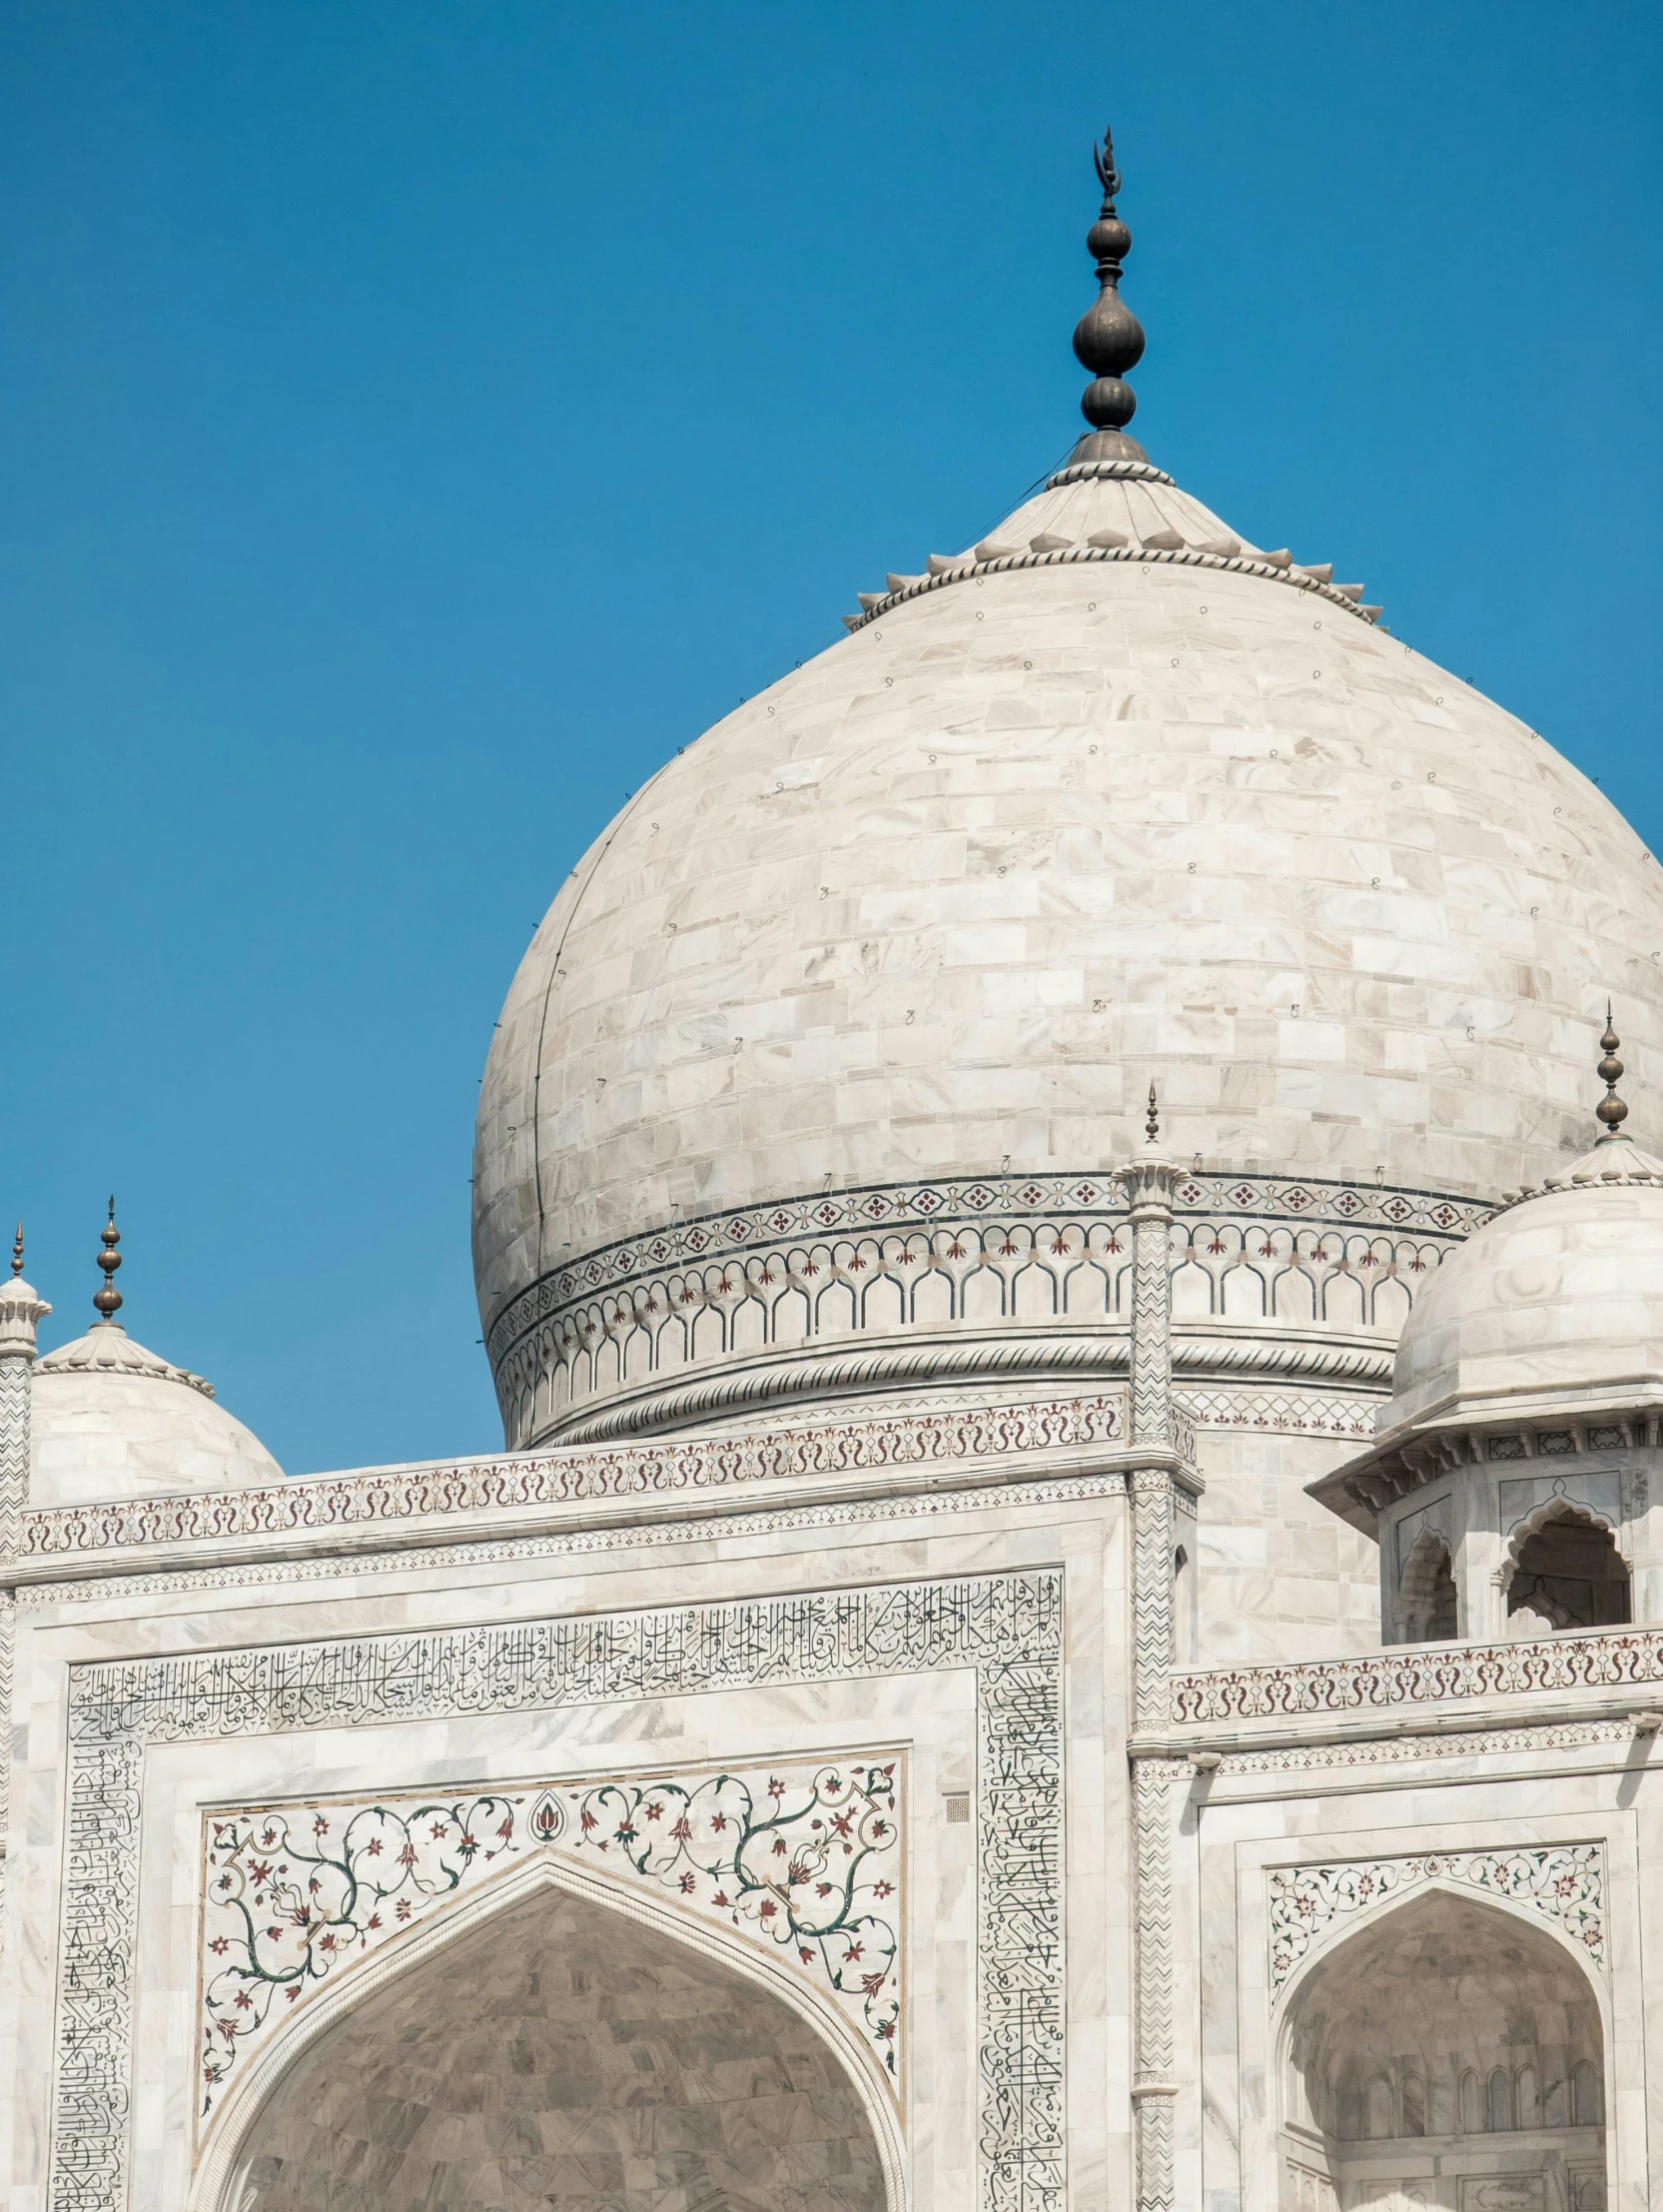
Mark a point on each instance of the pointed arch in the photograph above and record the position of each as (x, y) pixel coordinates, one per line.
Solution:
(1427, 1603)
(1564, 1569)
(498, 1907)
(1431, 2018)
(1557, 1508)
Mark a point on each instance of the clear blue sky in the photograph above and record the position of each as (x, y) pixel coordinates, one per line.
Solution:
(417, 420)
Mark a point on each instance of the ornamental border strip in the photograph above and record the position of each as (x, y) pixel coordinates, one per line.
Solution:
(917, 1206)
(582, 1473)
(926, 1505)
(1394, 1750)
(1307, 1688)
(1007, 1627)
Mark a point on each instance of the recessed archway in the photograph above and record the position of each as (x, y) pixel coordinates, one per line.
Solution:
(1446, 2045)
(1567, 1573)
(565, 2057)
(1426, 1603)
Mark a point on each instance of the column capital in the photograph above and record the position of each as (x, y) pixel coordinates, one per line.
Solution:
(1150, 1181)
(22, 1309)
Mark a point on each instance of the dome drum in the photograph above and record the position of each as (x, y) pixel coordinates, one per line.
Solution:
(1006, 1278)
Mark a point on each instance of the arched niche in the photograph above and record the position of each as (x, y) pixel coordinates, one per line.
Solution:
(1445, 2045)
(558, 2052)
(1427, 1605)
(1565, 1572)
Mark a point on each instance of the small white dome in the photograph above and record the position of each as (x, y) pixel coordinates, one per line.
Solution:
(110, 1420)
(1559, 1296)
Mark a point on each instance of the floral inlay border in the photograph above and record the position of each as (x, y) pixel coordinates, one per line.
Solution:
(1307, 1688)
(803, 1859)
(1563, 1882)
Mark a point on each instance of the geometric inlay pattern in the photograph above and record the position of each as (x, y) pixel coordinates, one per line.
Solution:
(805, 1861)
(1564, 1882)
(895, 1257)
(1006, 1629)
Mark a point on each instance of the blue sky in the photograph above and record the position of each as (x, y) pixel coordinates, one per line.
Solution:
(417, 421)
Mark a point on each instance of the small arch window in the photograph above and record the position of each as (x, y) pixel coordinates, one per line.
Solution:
(1414, 2105)
(1427, 1601)
(1568, 1574)
(1498, 2112)
(1527, 2098)
(1472, 2105)
(1382, 2119)
(1589, 2096)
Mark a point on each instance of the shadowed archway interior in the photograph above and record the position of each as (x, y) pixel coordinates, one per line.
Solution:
(1449, 2054)
(566, 2055)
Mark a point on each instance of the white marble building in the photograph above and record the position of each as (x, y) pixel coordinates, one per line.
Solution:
(1009, 1663)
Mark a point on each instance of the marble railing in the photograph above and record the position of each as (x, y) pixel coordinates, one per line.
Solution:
(1429, 1674)
(994, 1434)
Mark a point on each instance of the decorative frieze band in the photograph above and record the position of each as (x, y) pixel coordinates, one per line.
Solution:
(1562, 1883)
(1392, 1751)
(805, 1862)
(898, 1258)
(1293, 1690)
(943, 1435)
(1005, 1627)
(584, 1541)
(580, 1474)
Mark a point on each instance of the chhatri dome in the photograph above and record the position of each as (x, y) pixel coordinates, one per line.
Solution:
(1558, 1297)
(111, 1420)
(1116, 795)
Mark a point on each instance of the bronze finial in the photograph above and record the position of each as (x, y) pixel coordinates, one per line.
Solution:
(1611, 1110)
(1108, 339)
(17, 1251)
(106, 1297)
(1152, 1119)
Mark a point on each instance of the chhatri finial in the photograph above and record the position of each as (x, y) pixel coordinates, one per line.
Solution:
(1152, 1119)
(106, 1297)
(1108, 339)
(1612, 1110)
(17, 1251)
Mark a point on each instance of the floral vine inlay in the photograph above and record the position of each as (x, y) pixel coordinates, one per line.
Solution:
(1563, 1882)
(803, 1860)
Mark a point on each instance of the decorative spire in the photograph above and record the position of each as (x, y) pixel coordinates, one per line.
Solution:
(1108, 339)
(106, 1297)
(1152, 1117)
(17, 1251)
(1612, 1110)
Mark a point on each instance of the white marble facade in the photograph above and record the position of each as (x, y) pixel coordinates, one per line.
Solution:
(1004, 1666)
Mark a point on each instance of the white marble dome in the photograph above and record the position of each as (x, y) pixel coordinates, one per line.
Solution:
(1558, 1298)
(1113, 797)
(111, 1420)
